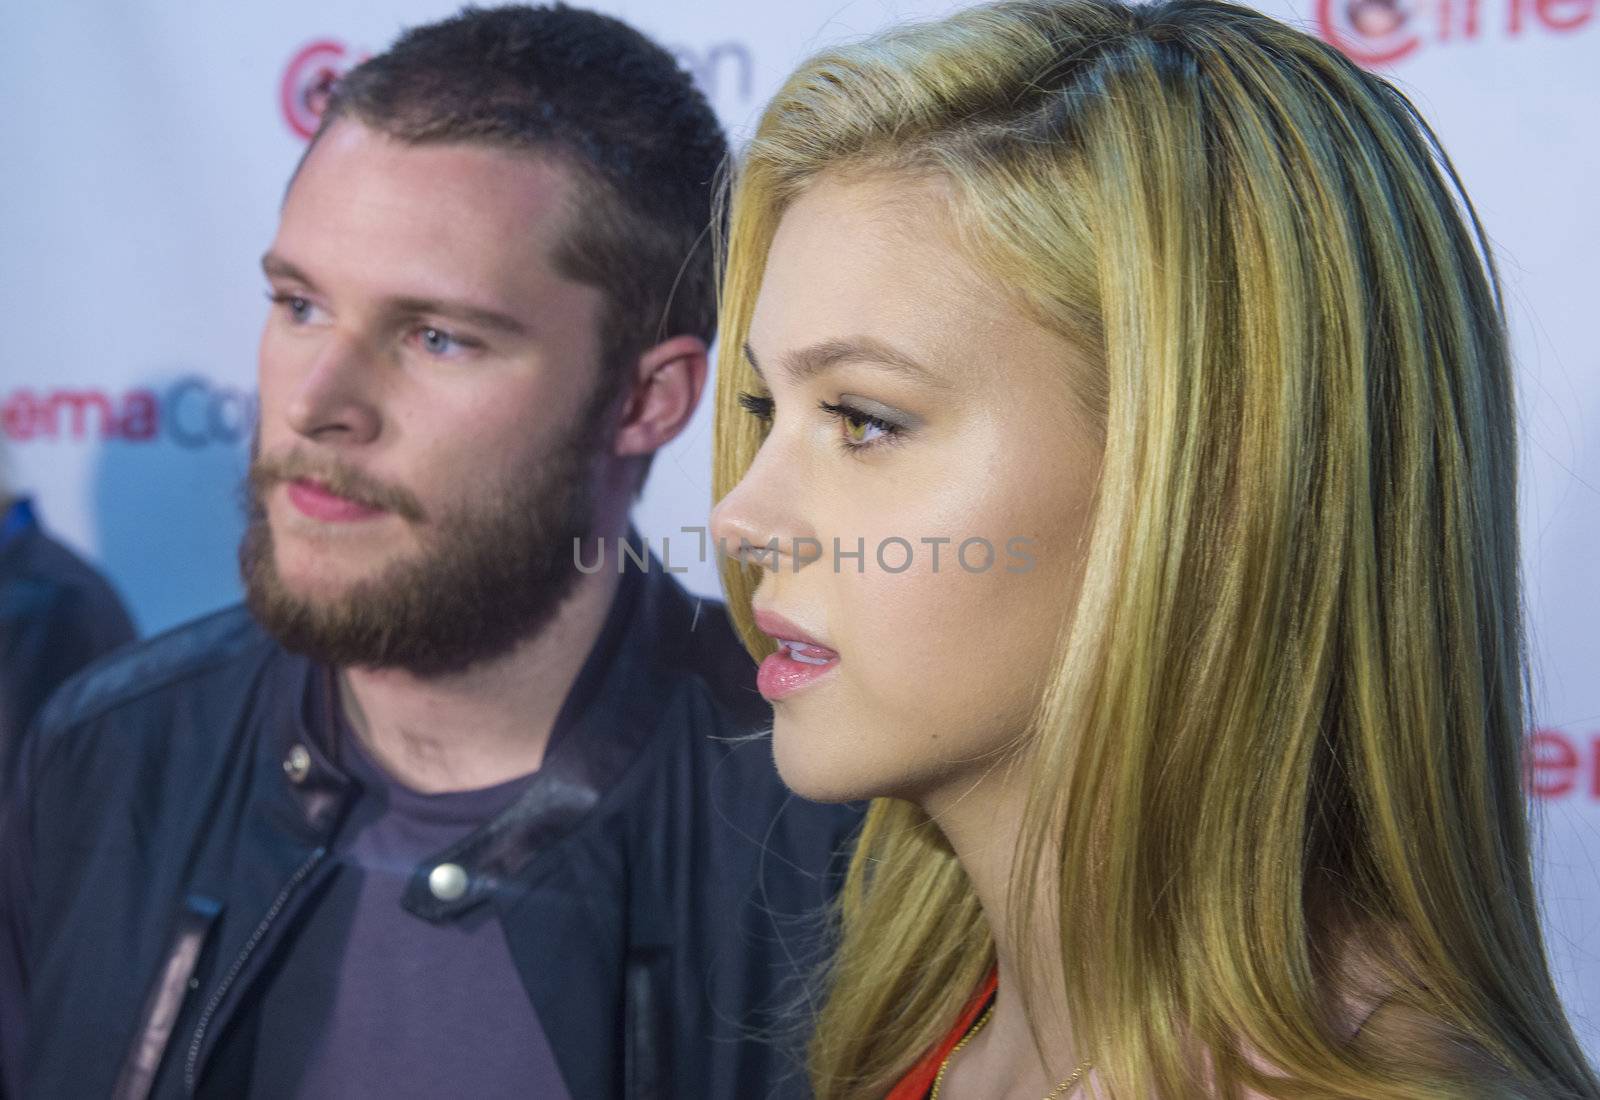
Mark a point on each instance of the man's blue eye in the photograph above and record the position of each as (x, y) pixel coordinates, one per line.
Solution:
(438, 341)
(299, 308)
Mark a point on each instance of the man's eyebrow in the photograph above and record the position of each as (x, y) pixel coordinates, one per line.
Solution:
(277, 267)
(808, 362)
(461, 311)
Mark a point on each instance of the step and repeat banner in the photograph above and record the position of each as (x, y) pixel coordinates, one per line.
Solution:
(147, 145)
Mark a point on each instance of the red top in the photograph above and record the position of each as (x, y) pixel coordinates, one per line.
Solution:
(916, 1084)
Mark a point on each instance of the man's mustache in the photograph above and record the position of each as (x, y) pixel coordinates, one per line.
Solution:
(337, 478)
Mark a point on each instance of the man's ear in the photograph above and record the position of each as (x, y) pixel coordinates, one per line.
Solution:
(665, 389)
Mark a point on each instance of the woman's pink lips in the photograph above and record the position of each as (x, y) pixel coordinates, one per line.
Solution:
(780, 674)
(316, 502)
(787, 670)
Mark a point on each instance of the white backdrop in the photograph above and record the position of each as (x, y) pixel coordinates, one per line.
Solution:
(146, 146)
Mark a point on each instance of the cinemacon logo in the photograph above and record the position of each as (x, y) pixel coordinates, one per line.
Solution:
(309, 78)
(723, 68)
(1383, 32)
(193, 412)
(1564, 765)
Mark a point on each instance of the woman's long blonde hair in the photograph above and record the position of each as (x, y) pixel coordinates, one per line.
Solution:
(1288, 711)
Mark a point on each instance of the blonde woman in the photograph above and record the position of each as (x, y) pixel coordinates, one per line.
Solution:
(1115, 464)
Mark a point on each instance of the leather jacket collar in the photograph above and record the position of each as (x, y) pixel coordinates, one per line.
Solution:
(606, 719)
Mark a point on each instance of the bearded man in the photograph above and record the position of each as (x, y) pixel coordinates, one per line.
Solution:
(444, 810)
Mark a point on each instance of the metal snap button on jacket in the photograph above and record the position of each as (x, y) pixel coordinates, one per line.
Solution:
(448, 881)
(297, 765)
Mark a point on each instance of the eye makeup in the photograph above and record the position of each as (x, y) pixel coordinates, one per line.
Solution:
(858, 423)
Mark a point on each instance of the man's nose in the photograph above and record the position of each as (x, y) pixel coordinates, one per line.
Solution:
(335, 400)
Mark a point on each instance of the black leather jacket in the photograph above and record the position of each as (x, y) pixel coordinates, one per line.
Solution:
(171, 815)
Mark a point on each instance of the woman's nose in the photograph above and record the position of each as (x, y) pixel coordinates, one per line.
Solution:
(757, 522)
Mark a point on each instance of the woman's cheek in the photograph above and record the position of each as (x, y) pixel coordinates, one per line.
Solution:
(926, 636)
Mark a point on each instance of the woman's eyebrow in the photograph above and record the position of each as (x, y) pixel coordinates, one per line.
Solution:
(808, 362)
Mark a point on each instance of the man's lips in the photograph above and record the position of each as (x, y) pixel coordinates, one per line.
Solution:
(315, 501)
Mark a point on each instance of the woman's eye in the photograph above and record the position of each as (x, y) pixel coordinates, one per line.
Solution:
(757, 406)
(861, 430)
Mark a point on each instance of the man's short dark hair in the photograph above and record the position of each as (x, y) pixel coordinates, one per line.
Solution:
(611, 106)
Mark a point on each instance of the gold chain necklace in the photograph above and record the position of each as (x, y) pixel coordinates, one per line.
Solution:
(938, 1081)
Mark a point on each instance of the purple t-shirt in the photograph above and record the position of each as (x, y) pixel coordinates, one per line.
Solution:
(413, 1009)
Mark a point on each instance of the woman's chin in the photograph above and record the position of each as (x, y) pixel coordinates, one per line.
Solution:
(846, 764)
(816, 767)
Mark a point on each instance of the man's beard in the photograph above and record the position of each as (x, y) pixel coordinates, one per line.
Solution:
(492, 571)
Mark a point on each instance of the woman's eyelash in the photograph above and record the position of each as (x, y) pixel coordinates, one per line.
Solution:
(757, 406)
(761, 407)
